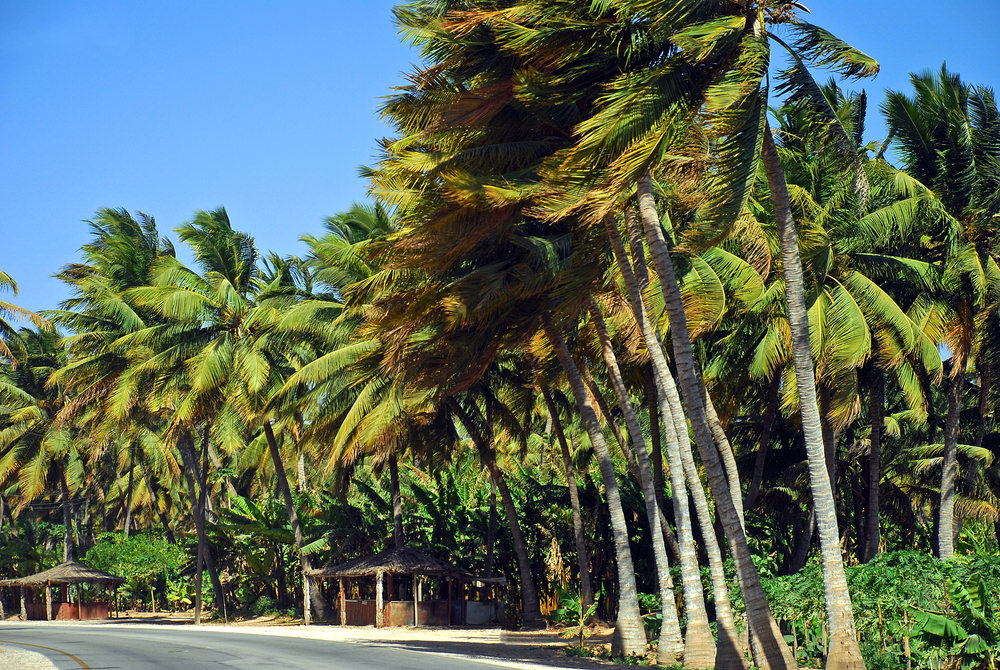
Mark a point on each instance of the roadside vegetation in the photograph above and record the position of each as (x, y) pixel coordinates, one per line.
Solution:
(640, 316)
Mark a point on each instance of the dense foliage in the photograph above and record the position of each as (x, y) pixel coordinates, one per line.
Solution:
(650, 332)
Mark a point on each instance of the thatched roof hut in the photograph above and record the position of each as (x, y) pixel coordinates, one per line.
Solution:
(66, 573)
(404, 561)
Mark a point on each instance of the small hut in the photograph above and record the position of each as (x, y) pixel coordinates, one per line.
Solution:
(406, 587)
(36, 593)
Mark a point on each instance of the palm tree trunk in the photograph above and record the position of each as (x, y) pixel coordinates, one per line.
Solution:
(217, 463)
(630, 636)
(308, 584)
(679, 456)
(844, 650)
(206, 506)
(67, 512)
(197, 489)
(532, 613)
(949, 468)
(491, 529)
(770, 413)
(698, 649)
(655, 439)
(984, 400)
(186, 449)
(771, 649)
(582, 558)
(398, 538)
(128, 498)
(604, 412)
(877, 412)
(153, 492)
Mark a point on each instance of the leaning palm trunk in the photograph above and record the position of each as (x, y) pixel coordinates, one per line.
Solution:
(305, 565)
(949, 468)
(699, 650)
(532, 614)
(844, 650)
(679, 455)
(770, 650)
(630, 637)
(582, 558)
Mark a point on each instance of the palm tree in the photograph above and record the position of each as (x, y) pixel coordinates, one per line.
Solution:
(629, 635)
(34, 445)
(948, 135)
(8, 311)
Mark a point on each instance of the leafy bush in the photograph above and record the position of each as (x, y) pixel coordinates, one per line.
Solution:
(887, 592)
(574, 611)
(144, 560)
(264, 605)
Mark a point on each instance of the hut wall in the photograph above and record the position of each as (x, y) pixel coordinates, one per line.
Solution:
(481, 612)
(81, 611)
(35, 611)
(360, 612)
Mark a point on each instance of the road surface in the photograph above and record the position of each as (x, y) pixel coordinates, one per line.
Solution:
(93, 647)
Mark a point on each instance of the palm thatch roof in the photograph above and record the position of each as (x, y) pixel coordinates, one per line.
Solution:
(69, 572)
(405, 561)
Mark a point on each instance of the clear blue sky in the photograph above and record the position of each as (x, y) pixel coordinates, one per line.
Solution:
(268, 108)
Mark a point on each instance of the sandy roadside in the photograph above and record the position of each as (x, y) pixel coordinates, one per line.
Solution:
(529, 650)
(13, 658)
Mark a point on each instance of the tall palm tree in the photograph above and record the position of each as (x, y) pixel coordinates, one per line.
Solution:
(35, 446)
(948, 135)
(10, 311)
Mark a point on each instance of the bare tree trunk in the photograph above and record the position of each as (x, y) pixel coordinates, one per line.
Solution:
(949, 468)
(630, 636)
(877, 412)
(699, 649)
(308, 584)
(844, 650)
(772, 650)
(582, 558)
(532, 616)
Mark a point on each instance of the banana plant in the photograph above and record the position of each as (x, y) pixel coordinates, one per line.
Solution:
(970, 633)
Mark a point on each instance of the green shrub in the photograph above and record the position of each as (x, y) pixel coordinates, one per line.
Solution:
(264, 605)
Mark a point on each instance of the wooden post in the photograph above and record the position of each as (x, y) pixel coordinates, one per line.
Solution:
(24, 606)
(449, 600)
(306, 599)
(378, 599)
(48, 601)
(343, 602)
(416, 600)
(463, 618)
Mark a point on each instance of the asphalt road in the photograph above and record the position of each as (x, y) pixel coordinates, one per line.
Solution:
(103, 647)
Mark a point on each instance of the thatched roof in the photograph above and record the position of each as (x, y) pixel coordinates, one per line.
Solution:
(405, 561)
(69, 572)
